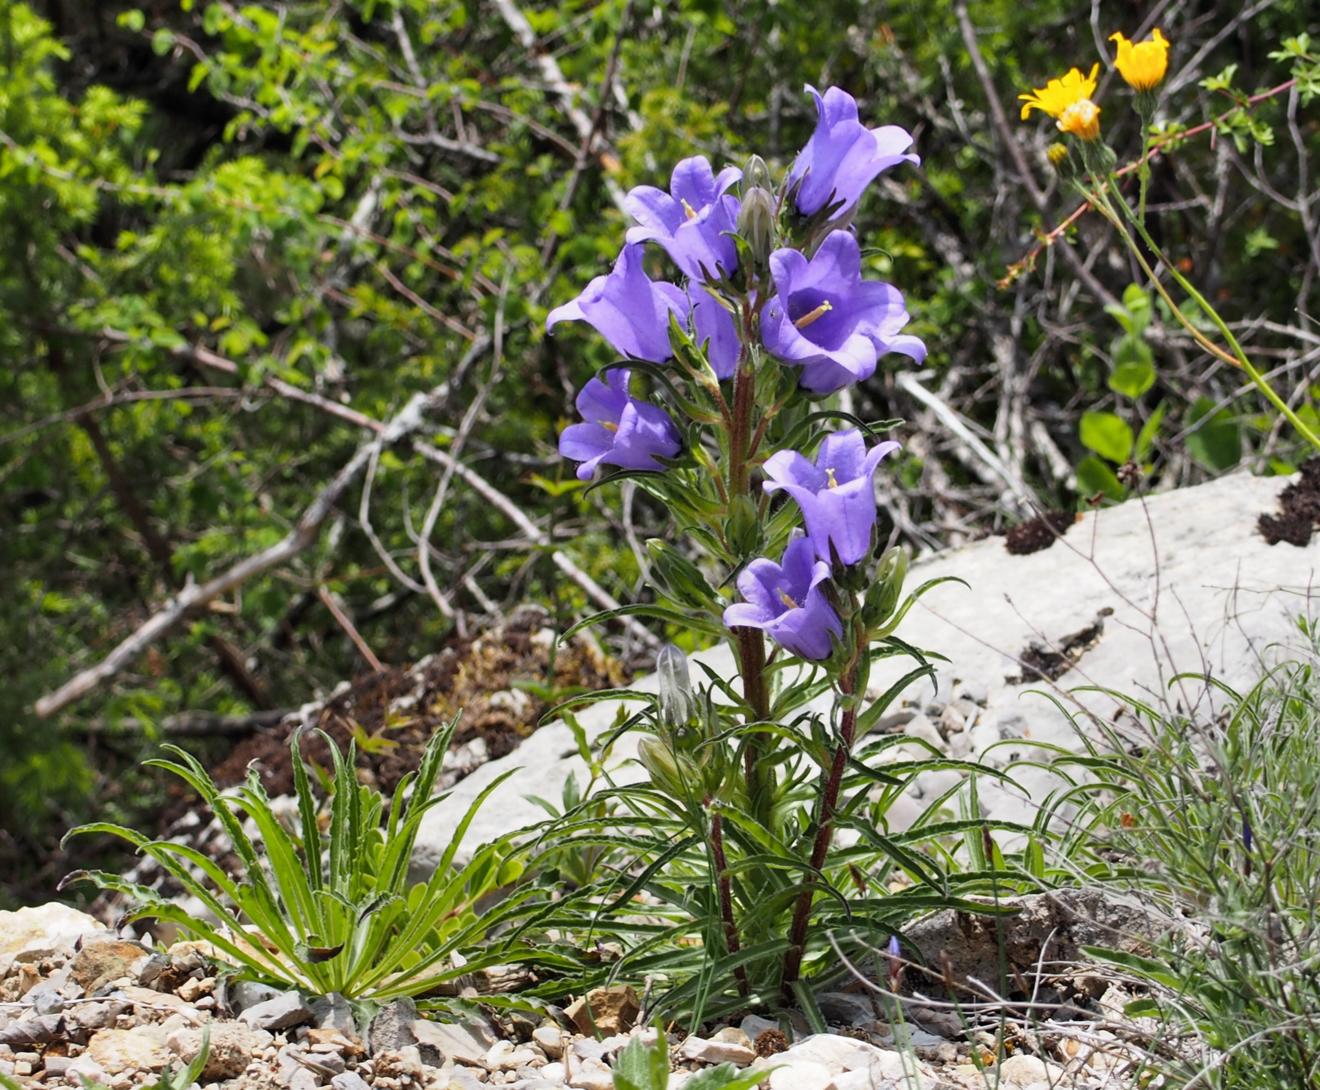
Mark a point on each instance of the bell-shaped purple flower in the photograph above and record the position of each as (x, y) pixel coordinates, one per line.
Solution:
(843, 155)
(835, 493)
(830, 322)
(627, 308)
(617, 429)
(690, 219)
(786, 601)
(714, 326)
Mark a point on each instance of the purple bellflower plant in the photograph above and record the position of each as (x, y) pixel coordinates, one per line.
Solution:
(690, 220)
(835, 493)
(777, 327)
(627, 308)
(843, 155)
(786, 601)
(617, 429)
(827, 320)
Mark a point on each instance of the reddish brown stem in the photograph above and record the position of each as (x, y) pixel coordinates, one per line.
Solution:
(731, 942)
(829, 800)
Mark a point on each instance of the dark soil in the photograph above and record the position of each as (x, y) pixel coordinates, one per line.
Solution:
(501, 682)
(1042, 663)
(1038, 533)
(1299, 509)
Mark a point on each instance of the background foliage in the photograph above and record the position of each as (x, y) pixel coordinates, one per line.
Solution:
(239, 235)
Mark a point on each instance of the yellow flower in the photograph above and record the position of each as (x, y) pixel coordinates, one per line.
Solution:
(1068, 101)
(1142, 64)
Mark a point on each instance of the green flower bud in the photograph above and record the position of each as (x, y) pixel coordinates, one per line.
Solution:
(677, 704)
(677, 577)
(758, 214)
(885, 593)
(669, 772)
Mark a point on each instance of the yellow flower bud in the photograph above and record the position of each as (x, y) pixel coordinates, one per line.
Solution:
(1081, 119)
(1144, 63)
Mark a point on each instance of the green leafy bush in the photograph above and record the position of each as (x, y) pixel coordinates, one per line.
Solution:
(326, 906)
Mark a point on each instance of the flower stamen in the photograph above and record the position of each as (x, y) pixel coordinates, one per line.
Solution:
(787, 599)
(830, 479)
(815, 315)
(688, 210)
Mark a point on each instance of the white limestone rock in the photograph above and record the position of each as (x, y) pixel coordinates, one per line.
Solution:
(1181, 581)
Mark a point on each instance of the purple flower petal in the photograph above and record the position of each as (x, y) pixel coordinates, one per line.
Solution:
(843, 156)
(627, 308)
(786, 601)
(826, 319)
(618, 429)
(714, 326)
(835, 494)
(691, 221)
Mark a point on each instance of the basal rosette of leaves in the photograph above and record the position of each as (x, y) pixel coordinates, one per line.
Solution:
(739, 305)
(325, 902)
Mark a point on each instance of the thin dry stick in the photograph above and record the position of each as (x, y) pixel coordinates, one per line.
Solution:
(337, 611)
(195, 595)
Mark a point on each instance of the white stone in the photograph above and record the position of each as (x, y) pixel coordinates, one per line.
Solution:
(1023, 1071)
(117, 1051)
(699, 1050)
(800, 1075)
(1190, 584)
(590, 1075)
(504, 1057)
(551, 1040)
(29, 934)
(553, 1072)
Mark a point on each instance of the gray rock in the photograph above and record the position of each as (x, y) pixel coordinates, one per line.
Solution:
(333, 1012)
(753, 1025)
(391, 1029)
(303, 1079)
(285, 1010)
(47, 997)
(462, 1042)
(349, 1080)
(847, 1008)
(33, 1031)
(242, 994)
(1056, 924)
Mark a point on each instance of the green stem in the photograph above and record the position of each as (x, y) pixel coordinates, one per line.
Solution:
(1239, 357)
